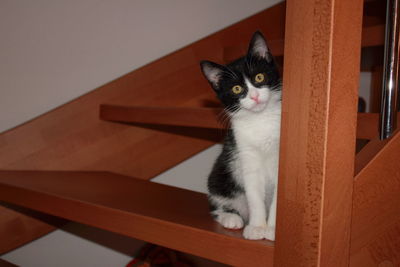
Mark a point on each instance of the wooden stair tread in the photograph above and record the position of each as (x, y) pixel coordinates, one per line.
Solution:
(203, 117)
(177, 116)
(160, 214)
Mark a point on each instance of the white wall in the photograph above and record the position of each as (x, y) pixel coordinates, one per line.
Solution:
(52, 51)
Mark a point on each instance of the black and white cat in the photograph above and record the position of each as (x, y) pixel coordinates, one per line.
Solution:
(242, 184)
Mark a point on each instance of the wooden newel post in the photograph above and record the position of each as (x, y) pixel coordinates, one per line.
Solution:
(321, 77)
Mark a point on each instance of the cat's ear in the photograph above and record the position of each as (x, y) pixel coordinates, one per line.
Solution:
(258, 47)
(213, 72)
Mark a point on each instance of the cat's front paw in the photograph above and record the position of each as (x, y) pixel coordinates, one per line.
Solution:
(254, 232)
(230, 220)
(270, 233)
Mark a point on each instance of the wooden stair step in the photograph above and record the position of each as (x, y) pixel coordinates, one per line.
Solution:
(203, 117)
(156, 213)
(176, 116)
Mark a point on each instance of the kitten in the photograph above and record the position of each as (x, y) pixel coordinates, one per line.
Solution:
(242, 184)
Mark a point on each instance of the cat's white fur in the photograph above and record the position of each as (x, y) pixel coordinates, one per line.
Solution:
(228, 219)
(257, 131)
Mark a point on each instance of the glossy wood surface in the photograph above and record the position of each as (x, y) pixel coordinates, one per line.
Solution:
(152, 212)
(375, 232)
(318, 132)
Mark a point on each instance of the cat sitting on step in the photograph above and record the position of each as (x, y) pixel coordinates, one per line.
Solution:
(243, 182)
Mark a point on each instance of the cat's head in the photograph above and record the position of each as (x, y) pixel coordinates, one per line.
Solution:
(247, 83)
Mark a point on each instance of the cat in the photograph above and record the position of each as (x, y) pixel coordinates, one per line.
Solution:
(242, 185)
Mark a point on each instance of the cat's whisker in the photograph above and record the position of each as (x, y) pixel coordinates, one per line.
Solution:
(224, 119)
(277, 86)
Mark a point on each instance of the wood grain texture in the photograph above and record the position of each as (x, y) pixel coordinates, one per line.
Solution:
(160, 214)
(381, 252)
(72, 137)
(375, 235)
(318, 132)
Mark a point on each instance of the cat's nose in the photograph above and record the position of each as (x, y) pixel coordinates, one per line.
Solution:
(255, 98)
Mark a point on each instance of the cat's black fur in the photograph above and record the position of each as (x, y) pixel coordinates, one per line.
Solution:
(220, 181)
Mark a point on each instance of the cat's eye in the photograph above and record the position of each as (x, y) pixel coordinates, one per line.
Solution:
(237, 89)
(259, 78)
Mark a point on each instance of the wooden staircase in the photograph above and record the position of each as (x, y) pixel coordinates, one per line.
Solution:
(152, 212)
(71, 164)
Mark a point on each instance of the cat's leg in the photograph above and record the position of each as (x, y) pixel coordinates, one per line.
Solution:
(227, 211)
(257, 218)
(228, 220)
(270, 231)
(271, 170)
(254, 183)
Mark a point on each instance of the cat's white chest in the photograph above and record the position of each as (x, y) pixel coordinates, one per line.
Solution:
(260, 131)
